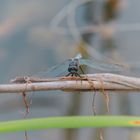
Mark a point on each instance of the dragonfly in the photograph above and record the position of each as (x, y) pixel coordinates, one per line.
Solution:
(73, 65)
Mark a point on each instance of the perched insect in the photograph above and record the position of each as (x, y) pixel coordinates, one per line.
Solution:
(73, 65)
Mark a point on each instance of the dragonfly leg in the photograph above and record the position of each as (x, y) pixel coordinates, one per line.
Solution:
(68, 74)
(78, 75)
(74, 74)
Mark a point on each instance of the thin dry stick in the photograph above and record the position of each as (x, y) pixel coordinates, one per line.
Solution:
(107, 106)
(25, 103)
(26, 107)
(105, 95)
(94, 94)
(93, 103)
(101, 134)
(26, 81)
(26, 112)
(112, 82)
(91, 83)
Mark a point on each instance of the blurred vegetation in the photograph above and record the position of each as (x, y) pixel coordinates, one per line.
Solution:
(35, 35)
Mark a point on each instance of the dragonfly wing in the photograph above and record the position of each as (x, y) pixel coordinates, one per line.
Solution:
(100, 65)
(55, 70)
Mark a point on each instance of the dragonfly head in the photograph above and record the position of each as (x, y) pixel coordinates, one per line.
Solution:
(73, 65)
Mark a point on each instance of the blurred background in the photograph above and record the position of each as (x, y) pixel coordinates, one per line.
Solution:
(38, 34)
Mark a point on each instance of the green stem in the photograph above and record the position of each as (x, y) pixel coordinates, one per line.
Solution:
(70, 122)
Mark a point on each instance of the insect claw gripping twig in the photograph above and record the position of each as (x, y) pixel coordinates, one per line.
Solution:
(76, 74)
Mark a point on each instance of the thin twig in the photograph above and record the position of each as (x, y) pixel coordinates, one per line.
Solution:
(26, 104)
(105, 95)
(111, 82)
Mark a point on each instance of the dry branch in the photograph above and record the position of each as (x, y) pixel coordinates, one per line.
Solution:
(100, 81)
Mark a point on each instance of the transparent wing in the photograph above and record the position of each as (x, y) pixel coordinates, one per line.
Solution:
(55, 70)
(101, 65)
